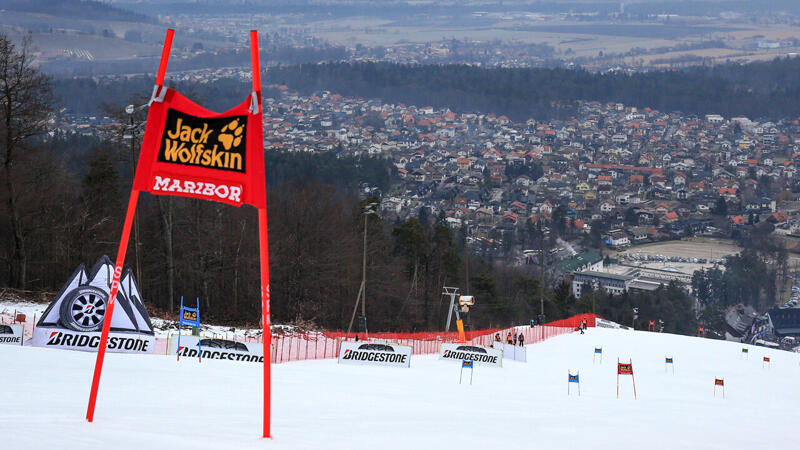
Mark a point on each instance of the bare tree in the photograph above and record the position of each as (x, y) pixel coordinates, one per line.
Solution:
(25, 104)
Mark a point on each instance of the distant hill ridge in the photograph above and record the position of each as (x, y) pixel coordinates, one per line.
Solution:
(76, 9)
(757, 90)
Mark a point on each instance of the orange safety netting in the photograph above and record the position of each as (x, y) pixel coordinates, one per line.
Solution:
(574, 321)
(322, 345)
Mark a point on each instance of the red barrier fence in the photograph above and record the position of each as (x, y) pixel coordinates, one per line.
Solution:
(323, 345)
(574, 321)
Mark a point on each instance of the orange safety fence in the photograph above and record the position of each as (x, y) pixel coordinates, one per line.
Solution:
(574, 321)
(324, 345)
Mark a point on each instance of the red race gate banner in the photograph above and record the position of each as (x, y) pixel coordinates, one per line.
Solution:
(626, 369)
(719, 382)
(190, 151)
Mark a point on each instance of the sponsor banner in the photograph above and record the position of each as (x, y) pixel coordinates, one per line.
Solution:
(11, 334)
(485, 356)
(375, 353)
(190, 151)
(513, 352)
(598, 322)
(81, 304)
(74, 319)
(216, 349)
(62, 338)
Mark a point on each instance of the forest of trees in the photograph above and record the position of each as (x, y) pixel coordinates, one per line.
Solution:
(758, 90)
(769, 89)
(755, 277)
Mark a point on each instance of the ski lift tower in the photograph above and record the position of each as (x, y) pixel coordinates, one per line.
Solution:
(464, 302)
(451, 292)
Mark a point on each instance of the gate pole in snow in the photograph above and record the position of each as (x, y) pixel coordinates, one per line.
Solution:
(199, 341)
(123, 247)
(180, 320)
(263, 243)
(112, 296)
(265, 313)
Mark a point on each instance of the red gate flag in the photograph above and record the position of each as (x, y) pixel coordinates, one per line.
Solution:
(766, 359)
(719, 382)
(626, 369)
(190, 151)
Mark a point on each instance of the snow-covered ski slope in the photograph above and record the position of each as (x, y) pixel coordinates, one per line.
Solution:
(154, 402)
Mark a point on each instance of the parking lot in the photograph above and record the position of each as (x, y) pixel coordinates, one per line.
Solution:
(683, 256)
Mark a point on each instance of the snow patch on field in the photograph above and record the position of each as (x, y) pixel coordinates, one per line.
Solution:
(156, 402)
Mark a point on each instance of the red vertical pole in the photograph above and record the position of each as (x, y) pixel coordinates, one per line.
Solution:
(112, 297)
(265, 315)
(123, 246)
(254, 60)
(162, 66)
(264, 251)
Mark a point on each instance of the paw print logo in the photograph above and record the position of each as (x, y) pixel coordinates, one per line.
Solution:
(231, 134)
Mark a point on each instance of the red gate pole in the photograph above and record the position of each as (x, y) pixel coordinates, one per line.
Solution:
(123, 247)
(265, 315)
(263, 242)
(112, 296)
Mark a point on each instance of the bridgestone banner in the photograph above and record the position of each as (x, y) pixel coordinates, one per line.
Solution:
(216, 349)
(74, 319)
(375, 354)
(88, 342)
(485, 356)
(602, 323)
(11, 334)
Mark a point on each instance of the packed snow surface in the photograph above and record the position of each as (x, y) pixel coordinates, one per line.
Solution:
(155, 402)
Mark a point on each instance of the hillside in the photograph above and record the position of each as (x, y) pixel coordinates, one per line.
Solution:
(154, 402)
(753, 90)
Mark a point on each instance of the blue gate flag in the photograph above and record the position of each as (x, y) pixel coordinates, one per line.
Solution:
(574, 378)
(190, 316)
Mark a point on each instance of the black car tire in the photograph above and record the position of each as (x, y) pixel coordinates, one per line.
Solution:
(376, 347)
(470, 348)
(84, 309)
(224, 344)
